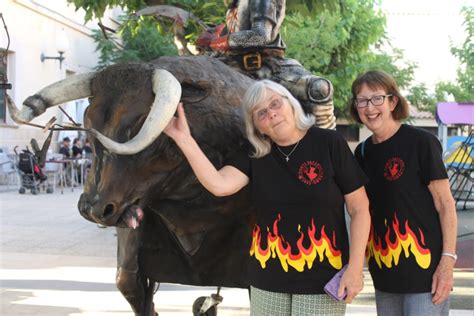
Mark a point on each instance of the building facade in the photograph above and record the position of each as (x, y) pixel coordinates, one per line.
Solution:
(36, 28)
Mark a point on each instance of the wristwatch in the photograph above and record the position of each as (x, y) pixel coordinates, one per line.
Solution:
(452, 255)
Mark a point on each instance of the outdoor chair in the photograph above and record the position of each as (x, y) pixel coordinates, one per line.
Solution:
(55, 169)
(8, 171)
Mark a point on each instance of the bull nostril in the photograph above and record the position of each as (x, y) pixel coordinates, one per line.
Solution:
(109, 210)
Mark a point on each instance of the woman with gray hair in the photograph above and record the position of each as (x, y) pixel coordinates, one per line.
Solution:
(301, 177)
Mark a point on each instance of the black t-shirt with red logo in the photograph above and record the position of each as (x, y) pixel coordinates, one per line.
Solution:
(300, 239)
(405, 241)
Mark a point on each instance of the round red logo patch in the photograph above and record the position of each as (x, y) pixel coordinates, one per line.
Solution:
(310, 172)
(394, 169)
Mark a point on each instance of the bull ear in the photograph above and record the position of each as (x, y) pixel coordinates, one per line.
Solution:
(195, 91)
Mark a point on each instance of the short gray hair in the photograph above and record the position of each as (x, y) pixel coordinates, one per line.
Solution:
(255, 94)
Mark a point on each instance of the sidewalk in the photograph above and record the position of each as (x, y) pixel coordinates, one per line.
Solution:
(54, 263)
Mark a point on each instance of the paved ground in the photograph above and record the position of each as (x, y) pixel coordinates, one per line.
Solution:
(53, 262)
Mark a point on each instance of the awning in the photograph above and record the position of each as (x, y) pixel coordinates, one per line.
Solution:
(455, 113)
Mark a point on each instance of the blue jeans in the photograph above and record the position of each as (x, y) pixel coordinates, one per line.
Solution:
(409, 304)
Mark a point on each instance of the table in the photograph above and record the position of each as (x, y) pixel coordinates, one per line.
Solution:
(64, 166)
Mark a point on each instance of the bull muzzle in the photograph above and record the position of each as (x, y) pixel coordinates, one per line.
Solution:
(110, 213)
(94, 210)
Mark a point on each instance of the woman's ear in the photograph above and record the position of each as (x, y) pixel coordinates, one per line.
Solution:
(259, 133)
(393, 102)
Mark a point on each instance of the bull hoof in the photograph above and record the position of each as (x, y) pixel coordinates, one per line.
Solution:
(319, 90)
(198, 303)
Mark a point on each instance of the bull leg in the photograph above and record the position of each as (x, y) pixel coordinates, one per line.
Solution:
(129, 279)
(149, 306)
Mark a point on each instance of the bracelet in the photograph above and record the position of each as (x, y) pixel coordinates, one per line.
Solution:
(452, 255)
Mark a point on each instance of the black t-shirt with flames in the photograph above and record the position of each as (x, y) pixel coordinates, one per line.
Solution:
(300, 239)
(405, 241)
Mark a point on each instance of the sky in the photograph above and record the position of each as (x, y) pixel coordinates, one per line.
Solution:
(425, 29)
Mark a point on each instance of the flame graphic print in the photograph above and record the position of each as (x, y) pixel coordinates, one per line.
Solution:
(407, 242)
(278, 247)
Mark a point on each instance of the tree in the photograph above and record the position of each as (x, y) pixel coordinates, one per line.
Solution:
(146, 38)
(336, 40)
(463, 88)
(144, 41)
(340, 42)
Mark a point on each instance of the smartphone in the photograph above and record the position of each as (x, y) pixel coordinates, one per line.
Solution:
(332, 286)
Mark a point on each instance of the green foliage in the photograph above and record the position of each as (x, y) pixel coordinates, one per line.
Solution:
(340, 43)
(142, 41)
(337, 40)
(96, 8)
(310, 7)
(391, 61)
(420, 97)
(212, 12)
(463, 88)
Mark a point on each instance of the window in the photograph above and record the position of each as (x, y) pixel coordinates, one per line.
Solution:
(3, 81)
(349, 132)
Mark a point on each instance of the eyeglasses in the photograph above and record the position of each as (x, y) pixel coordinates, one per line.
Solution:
(274, 105)
(376, 100)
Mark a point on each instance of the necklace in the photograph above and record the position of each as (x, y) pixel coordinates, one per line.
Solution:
(287, 156)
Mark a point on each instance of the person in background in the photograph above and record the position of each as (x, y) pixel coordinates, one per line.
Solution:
(301, 177)
(412, 245)
(65, 148)
(87, 148)
(87, 153)
(76, 148)
(77, 154)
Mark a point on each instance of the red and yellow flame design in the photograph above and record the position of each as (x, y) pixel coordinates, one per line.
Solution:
(407, 242)
(278, 247)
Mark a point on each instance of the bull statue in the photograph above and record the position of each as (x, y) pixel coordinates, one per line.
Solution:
(139, 177)
(169, 228)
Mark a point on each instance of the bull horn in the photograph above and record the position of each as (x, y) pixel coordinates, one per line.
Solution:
(72, 88)
(167, 91)
(22, 117)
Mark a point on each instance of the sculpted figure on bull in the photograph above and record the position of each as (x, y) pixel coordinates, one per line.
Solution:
(250, 41)
(170, 228)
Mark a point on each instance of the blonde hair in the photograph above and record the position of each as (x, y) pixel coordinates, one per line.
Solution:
(256, 94)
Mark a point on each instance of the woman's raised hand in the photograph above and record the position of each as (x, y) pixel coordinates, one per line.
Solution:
(178, 128)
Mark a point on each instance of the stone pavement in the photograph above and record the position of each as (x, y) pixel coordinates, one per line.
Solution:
(55, 263)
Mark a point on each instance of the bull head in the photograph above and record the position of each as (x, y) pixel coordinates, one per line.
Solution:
(133, 167)
(165, 86)
(167, 92)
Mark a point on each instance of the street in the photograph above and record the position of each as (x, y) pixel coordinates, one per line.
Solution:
(54, 262)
